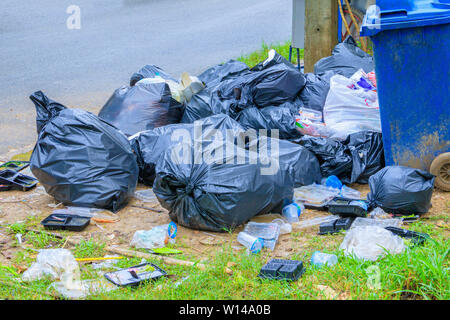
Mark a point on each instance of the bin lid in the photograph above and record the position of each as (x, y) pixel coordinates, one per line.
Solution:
(399, 14)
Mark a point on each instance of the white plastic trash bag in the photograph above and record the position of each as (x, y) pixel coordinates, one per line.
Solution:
(371, 242)
(350, 108)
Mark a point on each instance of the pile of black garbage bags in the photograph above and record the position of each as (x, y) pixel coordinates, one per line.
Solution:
(214, 159)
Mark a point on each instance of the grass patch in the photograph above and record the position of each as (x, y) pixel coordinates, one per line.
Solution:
(257, 56)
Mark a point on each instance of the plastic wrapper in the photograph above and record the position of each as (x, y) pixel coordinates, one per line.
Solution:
(314, 221)
(269, 232)
(371, 242)
(363, 222)
(350, 108)
(346, 59)
(401, 190)
(147, 105)
(320, 259)
(82, 160)
(53, 263)
(315, 195)
(285, 227)
(146, 195)
(82, 288)
(156, 237)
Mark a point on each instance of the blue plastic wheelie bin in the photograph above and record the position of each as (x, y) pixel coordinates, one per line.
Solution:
(411, 44)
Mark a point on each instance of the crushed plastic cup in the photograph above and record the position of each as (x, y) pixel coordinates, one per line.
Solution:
(269, 232)
(253, 244)
(320, 259)
(292, 212)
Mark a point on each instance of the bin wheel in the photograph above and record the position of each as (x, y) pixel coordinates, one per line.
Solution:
(440, 167)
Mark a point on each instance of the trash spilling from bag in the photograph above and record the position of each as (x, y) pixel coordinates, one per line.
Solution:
(80, 159)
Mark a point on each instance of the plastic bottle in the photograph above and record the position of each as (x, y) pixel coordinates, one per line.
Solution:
(252, 243)
(292, 212)
(319, 259)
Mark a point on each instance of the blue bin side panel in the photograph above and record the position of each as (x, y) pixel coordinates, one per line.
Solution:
(413, 76)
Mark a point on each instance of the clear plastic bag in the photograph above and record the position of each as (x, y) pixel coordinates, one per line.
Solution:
(371, 242)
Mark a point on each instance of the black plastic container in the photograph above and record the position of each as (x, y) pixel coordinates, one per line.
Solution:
(348, 207)
(280, 269)
(135, 275)
(65, 222)
(16, 180)
(416, 237)
(336, 226)
(14, 165)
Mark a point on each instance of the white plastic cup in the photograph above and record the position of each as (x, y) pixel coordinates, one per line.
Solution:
(252, 243)
(292, 212)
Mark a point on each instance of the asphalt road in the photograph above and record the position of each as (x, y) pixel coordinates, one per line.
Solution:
(82, 67)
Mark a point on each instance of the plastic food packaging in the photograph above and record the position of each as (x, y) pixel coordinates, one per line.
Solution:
(285, 227)
(157, 237)
(269, 232)
(315, 195)
(371, 242)
(349, 193)
(292, 212)
(281, 269)
(314, 222)
(314, 129)
(252, 243)
(53, 263)
(379, 213)
(362, 222)
(146, 195)
(135, 275)
(320, 259)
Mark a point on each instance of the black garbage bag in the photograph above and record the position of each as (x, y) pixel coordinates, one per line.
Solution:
(220, 195)
(291, 157)
(273, 85)
(367, 152)
(353, 160)
(217, 74)
(141, 107)
(149, 71)
(334, 157)
(205, 104)
(150, 145)
(316, 89)
(82, 160)
(346, 59)
(280, 118)
(401, 190)
(45, 109)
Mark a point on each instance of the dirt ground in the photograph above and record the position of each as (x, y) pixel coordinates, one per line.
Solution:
(17, 206)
